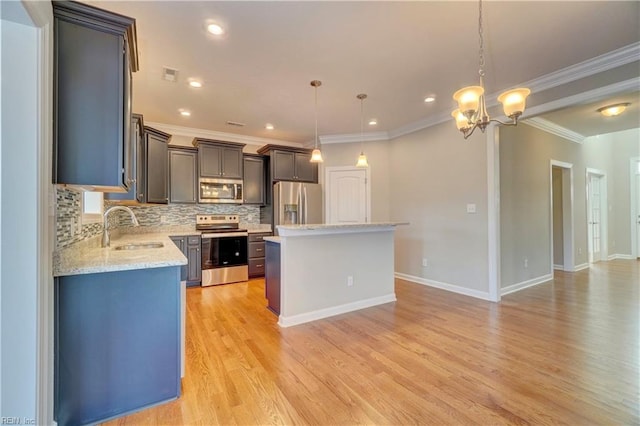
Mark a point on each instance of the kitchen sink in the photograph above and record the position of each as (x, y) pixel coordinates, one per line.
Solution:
(139, 246)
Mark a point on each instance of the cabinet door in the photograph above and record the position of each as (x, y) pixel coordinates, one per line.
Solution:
(194, 256)
(180, 242)
(232, 163)
(283, 164)
(210, 161)
(182, 177)
(157, 168)
(132, 163)
(253, 180)
(89, 106)
(305, 170)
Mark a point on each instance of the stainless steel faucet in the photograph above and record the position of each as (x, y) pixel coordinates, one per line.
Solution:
(105, 232)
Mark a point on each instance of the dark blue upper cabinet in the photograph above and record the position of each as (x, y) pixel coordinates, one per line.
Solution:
(94, 55)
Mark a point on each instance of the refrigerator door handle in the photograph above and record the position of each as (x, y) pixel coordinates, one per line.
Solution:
(299, 212)
(304, 193)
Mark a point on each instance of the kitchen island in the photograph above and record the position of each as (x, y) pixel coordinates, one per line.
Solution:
(317, 271)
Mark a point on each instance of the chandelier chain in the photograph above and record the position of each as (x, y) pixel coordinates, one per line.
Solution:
(481, 40)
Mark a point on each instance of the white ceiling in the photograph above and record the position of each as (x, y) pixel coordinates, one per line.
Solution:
(396, 52)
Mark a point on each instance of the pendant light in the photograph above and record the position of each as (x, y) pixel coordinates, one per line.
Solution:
(472, 110)
(362, 159)
(316, 155)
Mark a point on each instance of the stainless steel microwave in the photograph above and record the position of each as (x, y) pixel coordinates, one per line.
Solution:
(220, 191)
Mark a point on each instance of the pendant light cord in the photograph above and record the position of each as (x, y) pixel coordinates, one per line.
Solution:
(316, 107)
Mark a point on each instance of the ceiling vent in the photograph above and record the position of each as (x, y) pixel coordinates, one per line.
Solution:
(235, 123)
(170, 74)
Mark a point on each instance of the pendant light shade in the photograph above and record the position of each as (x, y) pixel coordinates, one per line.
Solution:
(362, 158)
(316, 155)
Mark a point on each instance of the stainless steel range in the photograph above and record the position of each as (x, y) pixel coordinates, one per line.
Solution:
(224, 249)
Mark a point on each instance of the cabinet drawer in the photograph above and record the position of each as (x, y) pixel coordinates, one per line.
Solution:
(257, 237)
(256, 267)
(256, 250)
(193, 239)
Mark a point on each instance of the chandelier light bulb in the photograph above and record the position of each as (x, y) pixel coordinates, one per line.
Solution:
(468, 99)
(513, 101)
(461, 120)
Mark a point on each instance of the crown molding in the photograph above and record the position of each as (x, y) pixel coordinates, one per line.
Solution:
(354, 137)
(615, 58)
(605, 62)
(610, 60)
(555, 129)
(212, 134)
(429, 121)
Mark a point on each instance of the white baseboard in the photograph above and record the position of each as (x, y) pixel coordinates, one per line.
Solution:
(335, 310)
(558, 267)
(620, 256)
(580, 267)
(445, 286)
(525, 284)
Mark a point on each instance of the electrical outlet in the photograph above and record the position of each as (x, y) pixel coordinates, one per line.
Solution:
(424, 262)
(613, 243)
(579, 250)
(471, 208)
(163, 219)
(526, 262)
(349, 281)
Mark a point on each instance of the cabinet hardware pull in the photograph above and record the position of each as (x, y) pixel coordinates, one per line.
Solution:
(258, 249)
(259, 266)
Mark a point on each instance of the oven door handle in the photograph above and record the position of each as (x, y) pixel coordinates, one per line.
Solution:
(224, 234)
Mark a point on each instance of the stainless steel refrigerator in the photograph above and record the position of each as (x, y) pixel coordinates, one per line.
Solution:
(296, 203)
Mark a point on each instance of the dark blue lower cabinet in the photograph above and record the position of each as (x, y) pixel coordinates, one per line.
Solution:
(117, 345)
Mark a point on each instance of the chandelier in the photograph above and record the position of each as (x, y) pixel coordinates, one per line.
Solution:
(316, 155)
(472, 109)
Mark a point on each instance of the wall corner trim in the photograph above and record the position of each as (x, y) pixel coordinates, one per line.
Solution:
(526, 284)
(445, 286)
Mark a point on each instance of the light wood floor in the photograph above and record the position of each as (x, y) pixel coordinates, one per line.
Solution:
(564, 352)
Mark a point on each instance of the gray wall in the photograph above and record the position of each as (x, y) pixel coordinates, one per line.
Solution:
(434, 174)
(525, 154)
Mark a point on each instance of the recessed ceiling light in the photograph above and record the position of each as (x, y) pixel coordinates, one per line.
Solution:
(373, 122)
(215, 29)
(430, 98)
(185, 113)
(269, 126)
(195, 83)
(613, 110)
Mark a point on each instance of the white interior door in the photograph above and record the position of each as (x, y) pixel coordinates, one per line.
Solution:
(347, 195)
(595, 218)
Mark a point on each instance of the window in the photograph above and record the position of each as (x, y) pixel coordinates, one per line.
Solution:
(91, 206)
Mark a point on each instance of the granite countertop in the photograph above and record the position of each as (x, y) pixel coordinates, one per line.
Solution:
(335, 228)
(274, 239)
(88, 257)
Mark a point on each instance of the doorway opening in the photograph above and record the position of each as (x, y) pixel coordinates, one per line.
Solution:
(597, 228)
(561, 215)
(634, 204)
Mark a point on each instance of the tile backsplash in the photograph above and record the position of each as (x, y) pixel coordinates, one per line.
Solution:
(69, 228)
